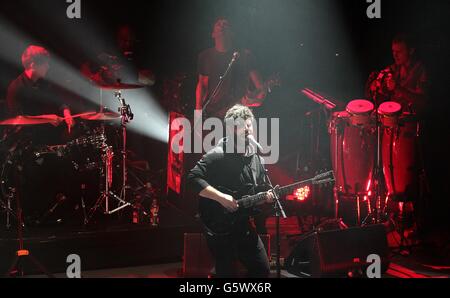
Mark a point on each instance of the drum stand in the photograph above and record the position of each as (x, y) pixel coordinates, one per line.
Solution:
(22, 253)
(126, 116)
(7, 207)
(375, 213)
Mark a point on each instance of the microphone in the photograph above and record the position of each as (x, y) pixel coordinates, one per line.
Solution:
(252, 140)
(235, 57)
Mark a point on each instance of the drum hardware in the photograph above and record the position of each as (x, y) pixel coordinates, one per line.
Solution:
(83, 204)
(60, 199)
(126, 115)
(8, 193)
(377, 178)
(22, 253)
(7, 206)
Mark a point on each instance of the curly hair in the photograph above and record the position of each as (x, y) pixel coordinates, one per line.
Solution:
(239, 111)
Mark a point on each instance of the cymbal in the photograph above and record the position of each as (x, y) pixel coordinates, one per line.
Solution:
(32, 120)
(101, 116)
(119, 86)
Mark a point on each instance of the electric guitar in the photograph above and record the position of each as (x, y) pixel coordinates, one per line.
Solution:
(218, 220)
(250, 99)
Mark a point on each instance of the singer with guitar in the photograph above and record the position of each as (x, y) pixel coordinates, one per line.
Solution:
(241, 78)
(219, 171)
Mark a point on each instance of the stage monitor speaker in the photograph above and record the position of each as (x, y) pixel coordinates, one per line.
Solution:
(335, 253)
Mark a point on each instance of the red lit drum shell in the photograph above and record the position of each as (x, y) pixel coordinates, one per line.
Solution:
(337, 118)
(400, 159)
(389, 113)
(361, 112)
(353, 157)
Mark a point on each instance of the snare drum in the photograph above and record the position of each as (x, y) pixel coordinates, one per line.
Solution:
(389, 113)
(360, 111)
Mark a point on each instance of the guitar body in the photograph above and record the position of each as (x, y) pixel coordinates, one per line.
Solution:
(218, 219)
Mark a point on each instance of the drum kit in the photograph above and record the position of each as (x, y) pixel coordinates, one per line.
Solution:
(374, 156)
(48, 176)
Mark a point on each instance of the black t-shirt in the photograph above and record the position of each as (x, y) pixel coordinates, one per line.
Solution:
(230, 170)
(213, 64)
(26, 97)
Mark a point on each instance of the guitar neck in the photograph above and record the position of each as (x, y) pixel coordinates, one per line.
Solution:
(252, 200)
(281, 191)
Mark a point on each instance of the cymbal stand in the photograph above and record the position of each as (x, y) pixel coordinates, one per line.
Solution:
(7, 193)
(22, 253)
(377, 177)
(126, 116)
(7, 207)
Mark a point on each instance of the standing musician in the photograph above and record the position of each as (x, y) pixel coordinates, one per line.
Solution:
(405, 81)
(212, 64)
(222, 168)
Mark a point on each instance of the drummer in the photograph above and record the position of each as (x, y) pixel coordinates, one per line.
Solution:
(31, 94)
(405, 81)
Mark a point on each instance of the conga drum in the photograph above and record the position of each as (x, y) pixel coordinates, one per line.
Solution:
(389, 113)
(353, 145)
(400, 158)
(360, 111)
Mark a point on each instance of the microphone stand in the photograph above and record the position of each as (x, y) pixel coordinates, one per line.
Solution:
(279, 211)
(214, 93)
(219, 84)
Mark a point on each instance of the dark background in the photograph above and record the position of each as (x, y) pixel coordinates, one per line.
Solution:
(328, 46)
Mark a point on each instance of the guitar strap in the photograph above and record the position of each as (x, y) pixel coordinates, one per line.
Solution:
(256, 168)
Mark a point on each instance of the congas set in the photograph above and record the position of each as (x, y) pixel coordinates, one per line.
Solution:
(399, 151)
(353, 147)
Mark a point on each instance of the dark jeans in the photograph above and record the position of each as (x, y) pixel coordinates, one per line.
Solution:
(244, 246)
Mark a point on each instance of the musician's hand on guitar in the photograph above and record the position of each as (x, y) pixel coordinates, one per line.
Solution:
(229, 203)
(270, 198)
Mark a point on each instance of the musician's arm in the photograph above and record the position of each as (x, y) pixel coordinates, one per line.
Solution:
(256, 79)
(201, 91)
(198, 180)
(416, 96)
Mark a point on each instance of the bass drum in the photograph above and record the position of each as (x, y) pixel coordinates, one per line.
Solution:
(44, 183)
(400, 158)
(47, 184)
(353, 150)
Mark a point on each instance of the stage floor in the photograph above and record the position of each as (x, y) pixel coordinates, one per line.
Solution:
(144, 251)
